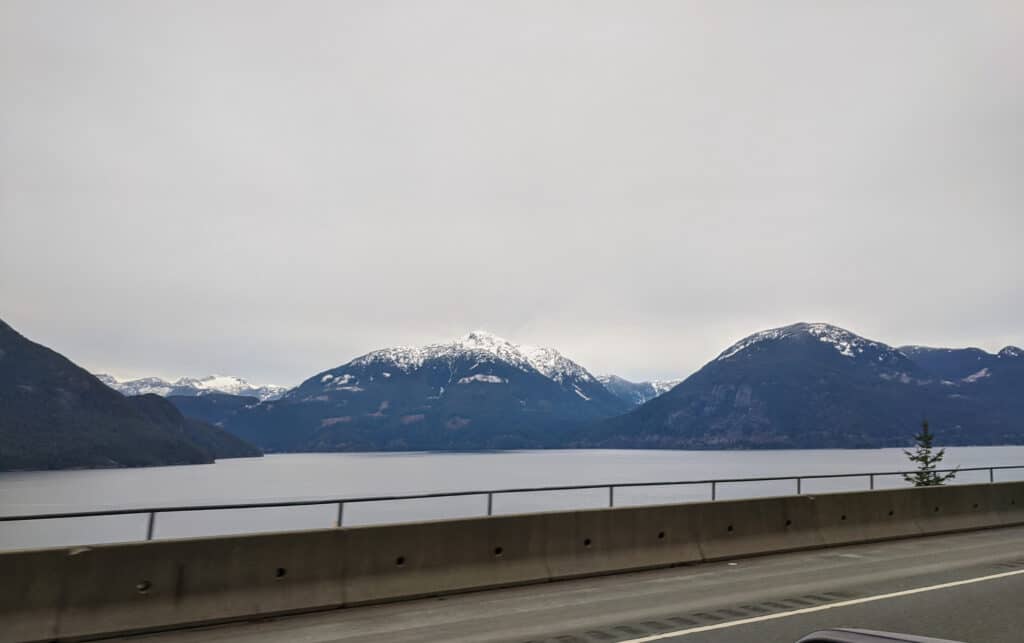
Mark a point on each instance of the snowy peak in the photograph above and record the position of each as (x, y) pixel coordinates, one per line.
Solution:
(843, 341)
(141, 386)
(636, 393)
(191, 386)
(481, 345)
(229, 384)
(1011, 352)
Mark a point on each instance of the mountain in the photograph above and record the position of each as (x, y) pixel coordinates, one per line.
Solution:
(215, 408)
(962, 364)
(214, 441)
(818, 385)
(477, 392)
(193, 386)
(55, 415)
(994, 381)
(636, 393)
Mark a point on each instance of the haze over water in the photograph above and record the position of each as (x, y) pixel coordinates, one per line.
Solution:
(351, 475)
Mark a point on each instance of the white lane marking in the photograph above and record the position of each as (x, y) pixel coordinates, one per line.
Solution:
(821, 608)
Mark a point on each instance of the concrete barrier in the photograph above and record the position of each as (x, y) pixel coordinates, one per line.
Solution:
(134, 586)
(746, 527)
(422, 559)
(30, 594)
(862, 517)
(956, 508)
(588, 543)
(88, 591)
(1008, 502)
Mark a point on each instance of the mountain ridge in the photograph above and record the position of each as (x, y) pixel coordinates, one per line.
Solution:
(636, 393)
(816, 385)
(54, 414)
(193, 386)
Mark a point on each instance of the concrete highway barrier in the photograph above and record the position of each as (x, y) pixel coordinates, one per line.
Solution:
(88, 591)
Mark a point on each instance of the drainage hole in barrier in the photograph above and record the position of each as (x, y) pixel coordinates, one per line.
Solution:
(586, 542)
(936, 510)
(729, 528)
(789, 523)
(892, 513)
(843, 517)
(143, 587)
(498, 551)
(400, 561)
(661, 535)
(975, 505)
(280, 572)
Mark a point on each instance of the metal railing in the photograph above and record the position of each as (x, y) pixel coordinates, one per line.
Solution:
(489, 493)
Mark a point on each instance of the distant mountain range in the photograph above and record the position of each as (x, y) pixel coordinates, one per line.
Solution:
(818, 385)
(636, 393)
(477, 392)
(193, 386)
(56, 415)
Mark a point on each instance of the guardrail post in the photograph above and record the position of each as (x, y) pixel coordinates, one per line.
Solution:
(871, 479)
(713, 491)
(341, 514)
(611, 495)
(490, 503)
(150, 525)
(991, 475)
(799, 485)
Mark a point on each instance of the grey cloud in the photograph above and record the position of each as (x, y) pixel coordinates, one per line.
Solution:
(269, 189)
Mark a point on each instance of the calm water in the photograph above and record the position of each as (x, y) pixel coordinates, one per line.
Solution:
(311, 476)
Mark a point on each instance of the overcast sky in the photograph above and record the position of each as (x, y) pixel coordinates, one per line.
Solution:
(268, 189)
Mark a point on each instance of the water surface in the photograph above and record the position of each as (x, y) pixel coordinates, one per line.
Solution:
(349, 475)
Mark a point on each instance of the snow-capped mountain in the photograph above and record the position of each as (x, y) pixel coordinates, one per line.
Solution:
(487, 347)
(843, 341)
(190, 386)
(819, 385)
(478, 391)
(636, 393)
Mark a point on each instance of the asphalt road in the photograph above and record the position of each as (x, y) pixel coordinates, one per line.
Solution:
(967, 587)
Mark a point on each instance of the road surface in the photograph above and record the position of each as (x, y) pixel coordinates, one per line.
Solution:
(967, 586)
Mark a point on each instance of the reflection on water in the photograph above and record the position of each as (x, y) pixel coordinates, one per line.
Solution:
(349, 475)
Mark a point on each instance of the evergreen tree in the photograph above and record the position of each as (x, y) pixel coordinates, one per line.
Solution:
(927, 461)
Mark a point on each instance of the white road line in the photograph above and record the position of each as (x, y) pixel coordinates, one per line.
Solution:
(821, 608)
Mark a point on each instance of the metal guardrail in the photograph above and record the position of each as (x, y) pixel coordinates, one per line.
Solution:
(489, 493)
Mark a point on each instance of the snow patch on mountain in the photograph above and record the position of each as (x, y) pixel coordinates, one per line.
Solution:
(979, 375)
(486, 379)
(663, 386)
(554, 365)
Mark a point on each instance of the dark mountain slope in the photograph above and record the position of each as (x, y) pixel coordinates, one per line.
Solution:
(951, 364)
(55, 415)
(215, 441)
(214, 408)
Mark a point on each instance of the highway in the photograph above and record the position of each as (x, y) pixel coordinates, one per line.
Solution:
(966, 586)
